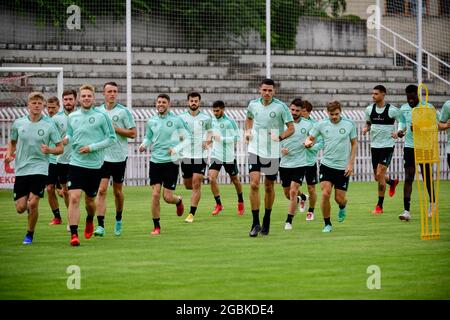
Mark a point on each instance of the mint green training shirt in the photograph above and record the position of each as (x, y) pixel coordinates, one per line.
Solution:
(121, 117)
(297, 153)
(380, 134)
(267, 120)
(311, 153)
(164, 133)
(91, 128)
(198, 127)
(445, 115)
(29, 136)
(337, 141)
(61, 119)
(228, 130)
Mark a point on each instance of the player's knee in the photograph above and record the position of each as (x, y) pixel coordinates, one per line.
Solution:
(213, 179)
(268, 188)
(101, 192)
(50, 188)
(254, 186)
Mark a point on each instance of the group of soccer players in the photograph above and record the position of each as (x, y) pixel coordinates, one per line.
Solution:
(79, 150)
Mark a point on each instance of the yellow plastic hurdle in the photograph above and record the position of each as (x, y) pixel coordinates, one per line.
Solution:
(426, 154)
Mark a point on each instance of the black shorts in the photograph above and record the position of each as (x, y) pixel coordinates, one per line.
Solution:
(408, 157)
(34, 183)
(381, 156)
(52, 177)
(230, 167)
(63, 172)
(268, 166)
(335, 176)
(311, 175)
(114, 169)
(287, 175)
(85, 179)
(191, 166)
(165, 174)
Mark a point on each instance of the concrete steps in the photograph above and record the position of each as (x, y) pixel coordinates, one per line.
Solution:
(230, 75)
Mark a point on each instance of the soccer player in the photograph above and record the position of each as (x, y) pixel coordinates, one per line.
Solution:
(166, 133)
(340, 144)
(444, 124)
(264, 129)
(193, 164)
(90, 132)
(31, 137)
(225, 134)
(69, 98)
(52, 179)
(311, 164)
(294, 160)
(380, 119)
(115, 157)
(405, 129)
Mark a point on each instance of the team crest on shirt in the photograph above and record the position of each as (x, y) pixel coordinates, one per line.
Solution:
(222, 126)
(342, 131)
(115, 118)
(303, 130)
(169, 123)
(91, 120)
(272, 114)
(41, 132)
(201, 122)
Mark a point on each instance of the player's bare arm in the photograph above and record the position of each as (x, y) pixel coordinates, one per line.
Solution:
(349, 169)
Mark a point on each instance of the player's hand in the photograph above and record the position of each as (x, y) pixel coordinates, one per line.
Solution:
(284, 151)
(274, 137)
(400, 134)
(142, 148)
(65, 141)
(448, 123)
(349, 170)
(45, 149)
(248, 137)
(308, 143)
(84, 149)
(206, 144)
(394, 135)
(217, 137)
(365, 130)
(172, 151)
(9, 159)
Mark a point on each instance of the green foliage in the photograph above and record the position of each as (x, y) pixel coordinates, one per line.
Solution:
(199, 20)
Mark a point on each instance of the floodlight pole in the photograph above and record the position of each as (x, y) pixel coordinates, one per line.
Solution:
(268, 39)
(419, 41)
(129, 56)
(378, 27)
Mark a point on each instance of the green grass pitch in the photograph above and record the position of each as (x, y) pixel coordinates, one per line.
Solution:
(214, 258)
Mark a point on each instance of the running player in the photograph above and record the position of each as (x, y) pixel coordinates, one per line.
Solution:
(115, 158)
(166, 133)
(225, 134)
(340, 143)
(31, 137)
(193, 164)
(90, 132)
(380, 119)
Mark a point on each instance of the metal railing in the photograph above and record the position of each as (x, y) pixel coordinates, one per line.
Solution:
(396, 51)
